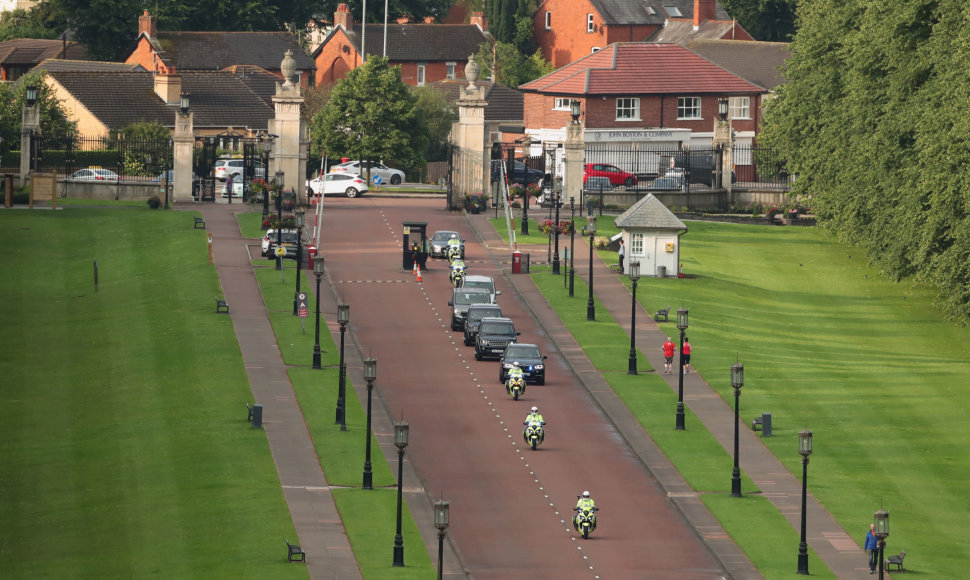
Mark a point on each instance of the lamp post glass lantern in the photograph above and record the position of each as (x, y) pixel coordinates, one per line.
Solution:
(737, 381)
(343, 317)
(370, 375)
(441, 522)
(881, 521)
(591, 231)
(318, 272)
(574, 110)
(722, 108)
(634, 273)
(31, 96)
(682, 314)
(401, 442)
(804, 449)
(184, 102)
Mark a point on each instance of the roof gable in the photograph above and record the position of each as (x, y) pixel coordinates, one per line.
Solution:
(218, 50)
(649, 213)
(758, 62)
(31, 51)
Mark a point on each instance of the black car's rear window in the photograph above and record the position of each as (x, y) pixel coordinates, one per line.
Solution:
(475, 314)
(497, 328)
(472, 298)
(522, 352)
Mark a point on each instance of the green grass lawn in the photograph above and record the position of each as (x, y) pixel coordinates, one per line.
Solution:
(125, 449)
(866, 363)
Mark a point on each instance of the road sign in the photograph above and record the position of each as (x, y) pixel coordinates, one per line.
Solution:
(302, 310)
(280, 252)
(377, 180)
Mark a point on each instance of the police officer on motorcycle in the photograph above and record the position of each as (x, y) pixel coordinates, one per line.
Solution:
(534, 417)
(585, 502)
(457, 270)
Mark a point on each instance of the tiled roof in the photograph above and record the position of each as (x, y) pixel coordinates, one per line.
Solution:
(421, 42)
(682, 31)
(758, 62)
(59, 64)
(218, 50)
(638, 68)
(31, 51)
(615, 12)
(260, 81)
(504, 103)
(649, 213)
(117, 99)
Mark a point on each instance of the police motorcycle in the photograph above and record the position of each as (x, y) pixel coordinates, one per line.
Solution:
(515, 381)
(456, 250)
(534, 433)
(457, 273)
(585, 519)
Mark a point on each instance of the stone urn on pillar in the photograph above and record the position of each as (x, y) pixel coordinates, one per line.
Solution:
(472, 72)
(288, 68)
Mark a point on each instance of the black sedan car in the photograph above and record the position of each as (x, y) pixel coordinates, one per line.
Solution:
(530, 361)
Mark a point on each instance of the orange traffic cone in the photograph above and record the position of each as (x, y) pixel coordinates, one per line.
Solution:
(414, 269)
(418, 273)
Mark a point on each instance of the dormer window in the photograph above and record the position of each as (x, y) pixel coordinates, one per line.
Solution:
(673, 12)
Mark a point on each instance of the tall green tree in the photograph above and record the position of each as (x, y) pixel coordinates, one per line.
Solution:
(371, 115)
(767, 20)
(13, 96)
(440, 113)
(40, 21)
(509, 66)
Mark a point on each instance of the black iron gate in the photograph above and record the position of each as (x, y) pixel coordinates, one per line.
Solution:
(226, 146)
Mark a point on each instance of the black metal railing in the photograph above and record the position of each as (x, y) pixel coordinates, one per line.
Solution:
(129, 159)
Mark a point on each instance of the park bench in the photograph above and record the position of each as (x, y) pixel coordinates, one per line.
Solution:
(199, 222)
(896, 561)
(665, 314)
(221, 304)
(295, 553)
(616, 268)
(250, 408)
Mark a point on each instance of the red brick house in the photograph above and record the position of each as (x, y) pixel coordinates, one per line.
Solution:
(18, 56)
(567, 30)
(426, 53)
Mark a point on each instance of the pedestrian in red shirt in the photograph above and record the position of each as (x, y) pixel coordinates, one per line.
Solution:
(668, 348)
(685, 355)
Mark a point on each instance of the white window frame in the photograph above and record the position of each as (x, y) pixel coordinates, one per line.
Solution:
(739, 107)
(548, 20)
(590, 24)
(631, 104)
(450, 68)
(689, 108)
(594, 49)
(561, 104)
(636, 244)
(421, 74)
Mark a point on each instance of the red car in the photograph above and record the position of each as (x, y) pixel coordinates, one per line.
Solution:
(616, 175)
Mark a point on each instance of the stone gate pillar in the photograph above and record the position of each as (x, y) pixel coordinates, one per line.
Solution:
(575, 156)
(183, 144)
(723, 138)
(290, 150)
(470, 169)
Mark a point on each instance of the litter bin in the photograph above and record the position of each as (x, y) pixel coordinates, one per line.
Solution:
(311, 254)
(661, 271)
(766, 424)
(516, 262)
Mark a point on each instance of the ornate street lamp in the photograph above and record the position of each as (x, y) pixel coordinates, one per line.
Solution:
(572, 242)
(441, 522)
(401, 442)
(682, 327)
(804, 449)
(317, 271)
(737, 381)
(591, 232)
(722, 108)
(300, 217)
(881, 520)
(370, 375)
(634, 269)
(184, 102)
(343, 317)
(31, 96)
(574, 110)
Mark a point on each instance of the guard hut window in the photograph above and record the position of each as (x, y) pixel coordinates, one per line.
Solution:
(636, 244)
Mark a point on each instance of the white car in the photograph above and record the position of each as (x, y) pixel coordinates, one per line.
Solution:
(94, 174)
(349, 184)
(379, 173)
(234, 166)
(270, 238)
(484, 282)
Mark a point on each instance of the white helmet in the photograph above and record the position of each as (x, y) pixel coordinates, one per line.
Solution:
(535, 409)
(585, 495)
(515, 364)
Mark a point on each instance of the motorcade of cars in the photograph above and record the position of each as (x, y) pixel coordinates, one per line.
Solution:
(377, 169)
(439, 243)
(474, 316)
(530, 360)
(95, 174)
(520, 173)
(461, 300)
(346, 184)
(289, 244)
(485, 282)
(494, 335)
(616, 175)
(234, 166)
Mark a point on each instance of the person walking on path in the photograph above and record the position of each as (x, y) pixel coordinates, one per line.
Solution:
(229, 185)
(685, 355)
(622, 255)
(668, 349)
(871, 546)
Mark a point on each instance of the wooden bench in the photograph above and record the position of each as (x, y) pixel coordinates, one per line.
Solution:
(896, 561)
(221, 304)
(756, 424)
(665, 314)
(295, 553)
(199, 222)
(616, 268)
(250, 408)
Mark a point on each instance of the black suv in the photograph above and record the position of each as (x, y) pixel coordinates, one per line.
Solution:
(520, 173)
(494, 334)
(289, 244)
(474, 316)
(461, 300)
(529, 359)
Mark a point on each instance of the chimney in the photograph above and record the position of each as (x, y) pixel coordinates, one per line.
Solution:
(343, 18)
(704, 10)
(147, 25)
(168, 87)
(478, 19)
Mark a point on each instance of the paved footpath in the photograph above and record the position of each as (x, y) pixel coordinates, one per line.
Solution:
(843, 556)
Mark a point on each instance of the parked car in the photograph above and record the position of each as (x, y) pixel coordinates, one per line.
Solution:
(267, 237)
(439, 243)
(348, 184)
(530, 361)
(521, 173)
(94, 174)
(289, 244)
(474, 316)
(377, 169)
(494, 335)
(170, 174)
(234, 166)
(484, 282)
(461, 300)
(676, 183)
(616, 175)
(697, 166)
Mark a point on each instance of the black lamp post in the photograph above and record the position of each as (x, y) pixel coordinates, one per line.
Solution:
(590, 231)
(370, 375)
(634, 269)
(343, 317)
(722, 108)
(555, 257)
(525, 204)
(572, 242)
(317, 271)
(169, 170)
(441, 522)
(737, 381)
(31, 95)
(804, 449)
(881, 519)
(266, 144)
(279, 217)
(300, 217)
(401, 442)
(682, 327)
